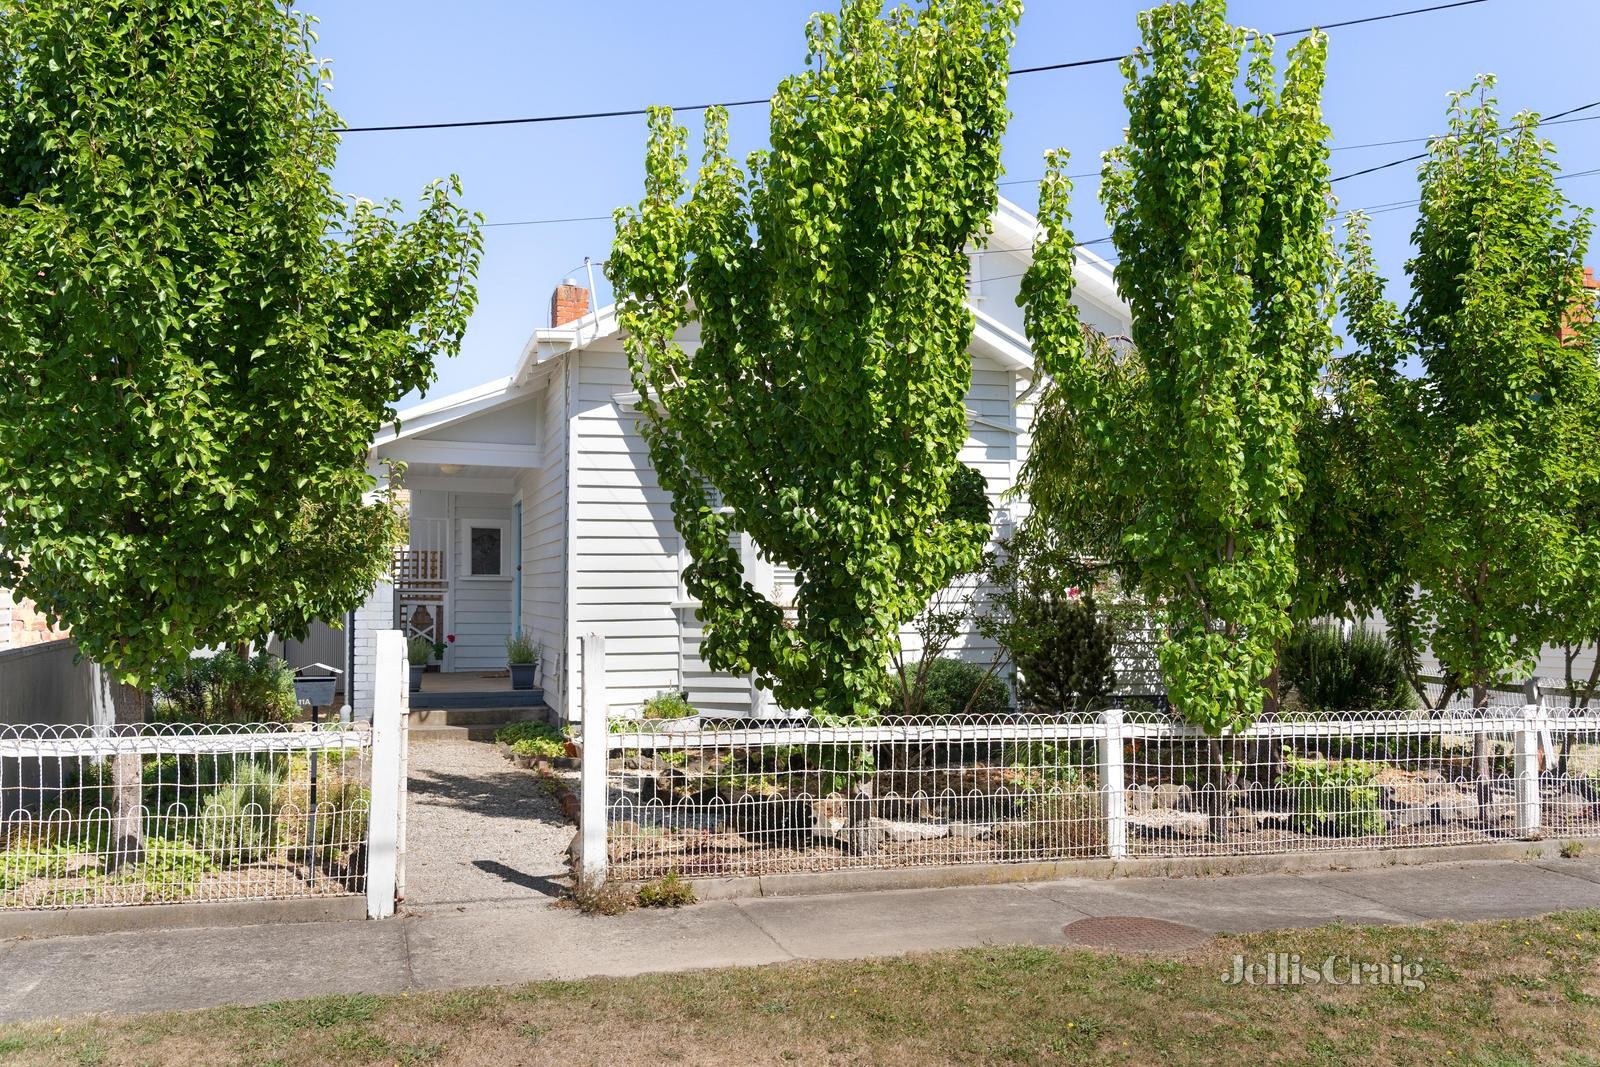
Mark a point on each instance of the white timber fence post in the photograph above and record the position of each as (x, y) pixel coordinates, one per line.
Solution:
(385, 835)
(1525, 745)
(1113, 794)
(596, 754)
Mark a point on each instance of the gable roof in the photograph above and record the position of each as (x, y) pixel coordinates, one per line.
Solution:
(1014, 232)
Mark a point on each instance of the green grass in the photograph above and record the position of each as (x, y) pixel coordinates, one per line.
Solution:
(1498, 993)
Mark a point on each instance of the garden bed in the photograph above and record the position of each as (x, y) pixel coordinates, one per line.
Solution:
(237, 826)
(740, 811)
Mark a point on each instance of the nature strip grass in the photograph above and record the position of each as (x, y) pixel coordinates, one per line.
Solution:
(1502, 993)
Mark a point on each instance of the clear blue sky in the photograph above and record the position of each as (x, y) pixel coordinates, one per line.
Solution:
(420, 61)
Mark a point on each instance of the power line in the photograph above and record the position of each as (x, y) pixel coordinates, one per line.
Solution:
(531, 120)
(1553, 120)
(1074, 64)
(1376, 208)
(1424, 155)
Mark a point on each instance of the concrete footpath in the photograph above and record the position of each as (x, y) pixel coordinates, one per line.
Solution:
(493, 944)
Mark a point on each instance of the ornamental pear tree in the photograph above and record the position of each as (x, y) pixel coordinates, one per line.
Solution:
(1498, 441)
(198, 337)
(821, 410)
(1220, 212)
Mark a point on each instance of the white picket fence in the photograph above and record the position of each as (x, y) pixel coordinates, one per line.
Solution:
(707, 801)
(151, 813)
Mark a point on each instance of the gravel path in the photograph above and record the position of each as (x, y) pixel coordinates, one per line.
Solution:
(480, 829)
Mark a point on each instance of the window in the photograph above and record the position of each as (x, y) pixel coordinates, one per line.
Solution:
(485, 548)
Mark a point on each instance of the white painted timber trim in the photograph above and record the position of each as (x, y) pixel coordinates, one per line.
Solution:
(466, 453)
(592, 816)
(385, 841)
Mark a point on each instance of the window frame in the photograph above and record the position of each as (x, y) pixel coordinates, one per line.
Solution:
(464, 560)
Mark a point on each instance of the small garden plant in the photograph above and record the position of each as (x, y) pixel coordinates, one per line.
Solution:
(536, 739)
(668, 891)
(419, 650)
(521, 650)
(668, 704)
(601, 896)
(1331, 797)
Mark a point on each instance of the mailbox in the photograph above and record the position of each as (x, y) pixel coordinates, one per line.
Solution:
(315, 683)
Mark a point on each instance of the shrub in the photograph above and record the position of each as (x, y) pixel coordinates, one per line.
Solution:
(520, 648)
(343, 807)
(954, 686)
(1325, 670)
(1068, 654)
(227, 688)
(668, 704)
(1332, 798)
(238, 823)
(669, 891)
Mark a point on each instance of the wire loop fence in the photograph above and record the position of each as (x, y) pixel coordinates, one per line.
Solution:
(706, 801)
(155, 813)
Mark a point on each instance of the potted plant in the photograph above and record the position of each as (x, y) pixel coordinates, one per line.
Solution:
(669, 711)
(522, 657)
(418, 651)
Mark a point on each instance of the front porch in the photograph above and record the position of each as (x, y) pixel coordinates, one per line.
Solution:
(474, 690)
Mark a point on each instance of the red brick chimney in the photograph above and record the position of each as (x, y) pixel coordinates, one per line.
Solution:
(568, 303)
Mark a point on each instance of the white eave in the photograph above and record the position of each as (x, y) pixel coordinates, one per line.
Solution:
(1014, 228)
(405, 440)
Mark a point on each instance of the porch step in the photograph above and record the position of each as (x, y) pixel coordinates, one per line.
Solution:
(467, 699)
(469, 724)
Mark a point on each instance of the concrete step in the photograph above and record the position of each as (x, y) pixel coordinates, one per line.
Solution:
(476, 716)
(504, 698)
(469, 724)
(453, 733)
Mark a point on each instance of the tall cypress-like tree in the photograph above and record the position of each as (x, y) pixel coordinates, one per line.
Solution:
(1499, 439)
(822, 410)
(1220, 210)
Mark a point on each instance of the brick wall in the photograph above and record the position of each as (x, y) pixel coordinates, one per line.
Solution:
(374, 615)
(21, 625)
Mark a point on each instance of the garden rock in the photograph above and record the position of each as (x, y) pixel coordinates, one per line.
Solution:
(1407, 816)
(1167, 822)
(1567, 806)
(1173, 797)
(902, 832)
(1140, 798)
(972, 831)
(1244, 820)
(860, 840)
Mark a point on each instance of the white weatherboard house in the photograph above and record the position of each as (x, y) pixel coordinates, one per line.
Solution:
(533, 505)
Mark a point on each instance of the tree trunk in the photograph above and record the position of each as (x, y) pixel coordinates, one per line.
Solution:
(1225, 763)
(116, 704)
(1480, 751)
